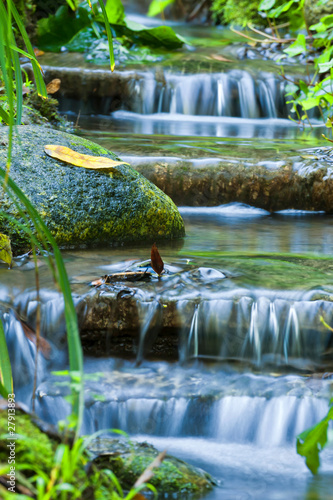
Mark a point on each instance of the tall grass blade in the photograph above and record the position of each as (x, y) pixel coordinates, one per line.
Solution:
(109, 34)
(73, 336)
(40, 85)
(6, 379)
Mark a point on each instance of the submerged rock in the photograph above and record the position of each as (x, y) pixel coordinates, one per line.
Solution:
(80, 206)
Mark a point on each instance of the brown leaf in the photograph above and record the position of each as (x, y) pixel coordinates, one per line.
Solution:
(44, 346)
(53, 86)
(156, 261)
(80, 160)
(38, 52)
(217, 57)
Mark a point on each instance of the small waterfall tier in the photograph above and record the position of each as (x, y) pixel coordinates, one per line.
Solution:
(195, 314)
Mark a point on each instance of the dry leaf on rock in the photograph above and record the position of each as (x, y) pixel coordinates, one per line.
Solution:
(53, 86)
(80, 160)
(156, 261)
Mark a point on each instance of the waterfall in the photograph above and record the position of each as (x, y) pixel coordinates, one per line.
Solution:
(234, 93)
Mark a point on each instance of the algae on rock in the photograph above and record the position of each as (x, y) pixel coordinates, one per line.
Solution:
(83, 207)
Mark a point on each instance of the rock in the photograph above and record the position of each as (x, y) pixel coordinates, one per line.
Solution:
(301, 183)
(128, 460)
(313, 12)
(80, 206)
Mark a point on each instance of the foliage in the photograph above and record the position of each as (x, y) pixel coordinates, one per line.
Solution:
(6, 379)
(236, 12)
(157, 7)
(312, 441)
(314, 92)
(48, 469)
(44, 240)
(290, 11)
(61, 28)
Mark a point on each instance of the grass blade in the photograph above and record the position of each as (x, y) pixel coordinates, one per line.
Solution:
(109, 34)
(6, 379)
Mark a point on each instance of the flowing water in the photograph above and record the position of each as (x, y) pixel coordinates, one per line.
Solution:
(244, 362)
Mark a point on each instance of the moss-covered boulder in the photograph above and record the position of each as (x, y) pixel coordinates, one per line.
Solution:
(80, 206)
(35, 455)
(314, 10)
(128, 461)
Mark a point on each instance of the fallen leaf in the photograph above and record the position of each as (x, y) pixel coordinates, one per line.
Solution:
(5, 250)
(310, 157)
(156, 261)
(217, 57)
(44, 346)
(38, 52)
(53, 86)
(25, 90)
(80, 160)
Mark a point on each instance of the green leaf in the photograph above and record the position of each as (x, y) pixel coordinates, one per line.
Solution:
(6, 379)
(266, 4)
(157, 6)
(115, 11)
(324, 67)
(311, 442)
(303, 86)
(282, 8)
(5, 249)
(58, 29)
(161, 36)
(298, 47)
(310, 102)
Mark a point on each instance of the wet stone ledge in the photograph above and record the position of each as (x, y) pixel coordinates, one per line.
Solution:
(296, 183)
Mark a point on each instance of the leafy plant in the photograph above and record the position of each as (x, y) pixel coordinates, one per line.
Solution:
(64, 27)
(312, 441)
(315, 91)
(44, 240)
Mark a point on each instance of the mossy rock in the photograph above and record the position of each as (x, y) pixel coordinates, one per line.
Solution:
(128, 461)
(83, 207)
(32, 446)
(314, 10)
(35, 452)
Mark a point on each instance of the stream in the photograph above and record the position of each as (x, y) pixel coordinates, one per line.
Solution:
(244, 363)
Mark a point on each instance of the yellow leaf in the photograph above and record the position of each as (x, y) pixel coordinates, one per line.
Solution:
(5, 249)
(79, 160)
(53, 86)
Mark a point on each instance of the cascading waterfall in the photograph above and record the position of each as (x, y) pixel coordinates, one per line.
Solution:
(262, 330)
(233, 93)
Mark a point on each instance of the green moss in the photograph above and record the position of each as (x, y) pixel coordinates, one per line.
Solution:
(84, 207)
(33, 447)
(272, 271)
(236, 12)
(173, 476)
